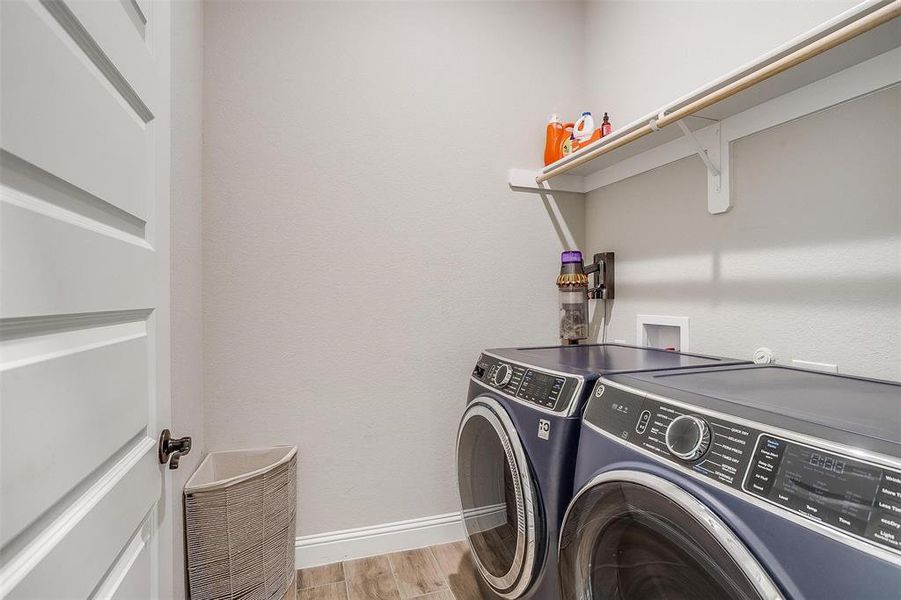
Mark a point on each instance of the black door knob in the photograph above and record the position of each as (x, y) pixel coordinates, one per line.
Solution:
(172, 449)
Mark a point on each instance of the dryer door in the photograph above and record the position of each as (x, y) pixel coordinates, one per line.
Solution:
(629, 535)
(498, 497)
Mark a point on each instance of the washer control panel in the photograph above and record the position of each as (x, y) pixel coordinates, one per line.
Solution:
(549, 390)
(710, 446)
(857, 497)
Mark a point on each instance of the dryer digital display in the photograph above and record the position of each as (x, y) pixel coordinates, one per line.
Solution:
(851, 495)
(540, 388)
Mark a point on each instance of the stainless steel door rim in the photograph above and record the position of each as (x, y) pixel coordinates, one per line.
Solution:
(517, 579)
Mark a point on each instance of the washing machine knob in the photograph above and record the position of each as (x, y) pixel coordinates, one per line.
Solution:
(502, 375)
(687, 437)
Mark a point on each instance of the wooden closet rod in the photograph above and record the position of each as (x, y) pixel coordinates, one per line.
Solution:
(837, 37)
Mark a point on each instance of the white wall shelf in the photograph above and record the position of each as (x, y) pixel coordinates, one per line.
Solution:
(856, 53)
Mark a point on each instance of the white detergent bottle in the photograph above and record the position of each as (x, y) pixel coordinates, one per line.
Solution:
(584, 127)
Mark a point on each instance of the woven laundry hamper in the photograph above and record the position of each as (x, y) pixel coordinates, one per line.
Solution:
(240, 509)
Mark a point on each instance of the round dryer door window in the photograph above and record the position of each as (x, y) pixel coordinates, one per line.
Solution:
(630, 535)
(498, 498)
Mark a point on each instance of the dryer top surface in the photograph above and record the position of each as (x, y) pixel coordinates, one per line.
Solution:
(856, 405)
(606, 359)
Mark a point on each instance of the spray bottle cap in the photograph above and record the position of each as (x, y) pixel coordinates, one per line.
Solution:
(586, 114)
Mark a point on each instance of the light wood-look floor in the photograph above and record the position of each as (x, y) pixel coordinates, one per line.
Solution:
(441, 572)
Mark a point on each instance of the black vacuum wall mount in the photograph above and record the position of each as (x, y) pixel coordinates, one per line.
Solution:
(601, 271)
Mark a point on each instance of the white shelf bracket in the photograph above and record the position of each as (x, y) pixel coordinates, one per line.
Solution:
(523, 180)
(699, 148)
(716, 157)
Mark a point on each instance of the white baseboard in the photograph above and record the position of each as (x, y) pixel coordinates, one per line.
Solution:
(335, 546)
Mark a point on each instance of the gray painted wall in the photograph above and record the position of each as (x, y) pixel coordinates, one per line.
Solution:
(644, 54)
(186, 256)
(360, 242)
(360, 245)
(808, 261)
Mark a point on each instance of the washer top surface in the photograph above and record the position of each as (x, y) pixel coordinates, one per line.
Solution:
(606, 359)
(856, 405)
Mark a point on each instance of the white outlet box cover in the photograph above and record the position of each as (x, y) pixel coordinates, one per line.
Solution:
(661, 331)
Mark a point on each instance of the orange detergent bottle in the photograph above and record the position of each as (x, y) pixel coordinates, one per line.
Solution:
(557, 135)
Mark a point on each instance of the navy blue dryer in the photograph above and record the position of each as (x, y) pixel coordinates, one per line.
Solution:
(516, 450)
(741, 482)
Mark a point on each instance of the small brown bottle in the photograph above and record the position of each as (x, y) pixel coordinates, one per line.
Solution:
(606, 127)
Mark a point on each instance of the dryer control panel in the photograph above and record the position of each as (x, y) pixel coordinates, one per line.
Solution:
(552, 391)
(849, 494)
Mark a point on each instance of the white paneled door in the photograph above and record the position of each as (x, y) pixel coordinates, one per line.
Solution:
(84, 292)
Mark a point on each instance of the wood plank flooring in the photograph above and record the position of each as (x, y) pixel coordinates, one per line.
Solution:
(442, 572)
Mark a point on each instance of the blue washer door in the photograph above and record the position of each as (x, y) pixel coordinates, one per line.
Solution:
(498, 496)
(630, 535)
